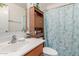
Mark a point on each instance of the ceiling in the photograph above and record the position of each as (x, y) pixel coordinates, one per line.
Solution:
(43, 6)
(23, 5)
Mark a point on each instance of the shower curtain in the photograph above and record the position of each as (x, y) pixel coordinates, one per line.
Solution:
(62, 29)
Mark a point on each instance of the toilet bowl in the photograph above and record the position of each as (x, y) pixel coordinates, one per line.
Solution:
(49, 52)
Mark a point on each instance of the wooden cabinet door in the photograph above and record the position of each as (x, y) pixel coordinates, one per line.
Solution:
(36, 51)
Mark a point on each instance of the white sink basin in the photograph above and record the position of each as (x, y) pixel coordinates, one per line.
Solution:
(13, 47)
(20, 47)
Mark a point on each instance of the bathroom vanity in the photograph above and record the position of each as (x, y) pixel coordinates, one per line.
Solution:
(27, 47)
(36, 51)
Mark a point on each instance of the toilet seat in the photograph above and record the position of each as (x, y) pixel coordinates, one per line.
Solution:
(49, 51)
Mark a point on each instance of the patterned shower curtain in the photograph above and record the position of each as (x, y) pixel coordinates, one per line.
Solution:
(62, 29)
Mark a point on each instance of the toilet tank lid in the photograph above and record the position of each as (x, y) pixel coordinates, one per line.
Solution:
(49, 51)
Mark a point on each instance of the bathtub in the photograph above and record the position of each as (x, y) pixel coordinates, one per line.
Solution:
(19, 48)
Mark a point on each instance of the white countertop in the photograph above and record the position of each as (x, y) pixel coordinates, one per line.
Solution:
(34, 42)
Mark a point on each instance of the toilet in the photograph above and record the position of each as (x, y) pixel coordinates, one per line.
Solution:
(49, 52)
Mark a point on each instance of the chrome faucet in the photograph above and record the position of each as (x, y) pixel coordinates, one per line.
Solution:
(13, 39)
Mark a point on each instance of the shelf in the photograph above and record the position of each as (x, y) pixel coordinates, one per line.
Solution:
(36, 21)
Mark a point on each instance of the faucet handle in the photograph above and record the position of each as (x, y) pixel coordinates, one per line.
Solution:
(14, 36)
(13, 39)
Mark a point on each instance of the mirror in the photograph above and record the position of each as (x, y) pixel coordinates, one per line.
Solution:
(12, 18)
